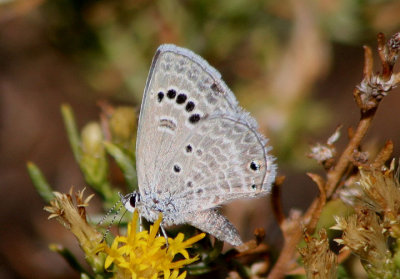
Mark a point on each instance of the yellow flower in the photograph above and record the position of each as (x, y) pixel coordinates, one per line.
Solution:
(143, 255)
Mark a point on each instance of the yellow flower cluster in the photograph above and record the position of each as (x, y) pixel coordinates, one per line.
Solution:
(145, 255)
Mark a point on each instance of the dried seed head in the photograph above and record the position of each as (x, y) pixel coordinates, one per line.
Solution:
(319, 260)
(73, 217)
(378, 191)
(364, 235)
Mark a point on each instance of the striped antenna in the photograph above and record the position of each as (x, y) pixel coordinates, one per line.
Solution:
(108, 213)
(112, 222)
(113, 219)
(120, 219)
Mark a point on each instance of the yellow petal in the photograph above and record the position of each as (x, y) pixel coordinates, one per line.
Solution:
(154, 228)
(194, 239)
(174, 274)
(108, 262)
(182, 276)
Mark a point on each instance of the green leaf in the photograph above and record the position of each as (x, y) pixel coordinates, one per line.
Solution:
(40, 182)
(125, 162)
(72, 131)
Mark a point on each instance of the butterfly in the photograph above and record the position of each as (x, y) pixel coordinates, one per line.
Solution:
(196, 148)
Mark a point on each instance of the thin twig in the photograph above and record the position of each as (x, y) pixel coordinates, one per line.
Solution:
(383, 155)
(292, 232)
(334, 176)
(321, 201)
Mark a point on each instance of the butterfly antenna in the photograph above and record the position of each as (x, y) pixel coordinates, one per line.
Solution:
(107, 214)
(112, 220)
(120, 219)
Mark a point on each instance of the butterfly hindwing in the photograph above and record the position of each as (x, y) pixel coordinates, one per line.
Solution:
(194, 141)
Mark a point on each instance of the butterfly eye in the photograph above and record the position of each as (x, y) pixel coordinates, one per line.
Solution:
(132, 201)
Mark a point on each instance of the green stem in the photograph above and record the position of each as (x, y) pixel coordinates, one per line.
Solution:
(69, 257)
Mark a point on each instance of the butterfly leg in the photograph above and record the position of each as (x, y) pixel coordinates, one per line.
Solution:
(212, 222)
(140, 223)
(165, 235)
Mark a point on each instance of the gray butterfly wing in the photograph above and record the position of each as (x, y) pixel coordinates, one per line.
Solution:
(195, 145)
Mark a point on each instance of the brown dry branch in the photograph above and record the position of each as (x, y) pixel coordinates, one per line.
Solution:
(276, 199)
(384, 154)
(291, 229)
(367, 95)
(321, 201)
(253, 245)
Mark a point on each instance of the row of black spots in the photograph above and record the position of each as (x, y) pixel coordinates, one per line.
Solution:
(171, 94)
(195, 117)
(180, 100)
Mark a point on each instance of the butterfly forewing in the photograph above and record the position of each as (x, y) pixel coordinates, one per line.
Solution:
(197, 146)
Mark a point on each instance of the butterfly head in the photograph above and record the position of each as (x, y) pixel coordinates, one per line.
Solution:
(130, 200)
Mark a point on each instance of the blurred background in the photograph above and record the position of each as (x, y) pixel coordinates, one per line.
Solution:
(293, 64)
